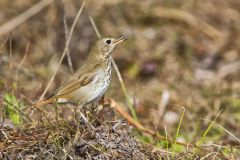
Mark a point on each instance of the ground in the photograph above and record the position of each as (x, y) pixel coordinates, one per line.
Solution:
(180, 68)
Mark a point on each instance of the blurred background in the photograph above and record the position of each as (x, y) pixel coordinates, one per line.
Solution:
(179, 54)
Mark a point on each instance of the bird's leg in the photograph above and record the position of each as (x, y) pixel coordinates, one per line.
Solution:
(101, 100)
(94, 107)
(89, 111)
(83, 118)
(90, 108)
(92, 113)
(83, 109)
(83, 114)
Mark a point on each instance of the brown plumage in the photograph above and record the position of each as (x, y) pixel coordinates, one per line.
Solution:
(91, 80)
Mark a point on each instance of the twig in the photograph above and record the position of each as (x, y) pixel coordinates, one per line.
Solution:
(136, 124)
(208, 155)
(223, 128)
(97, 149)
(166, 135)
(228, 69)
(22, 61)
(130, 106)
(66, 37)
(188, 18)
(178, 128)
(208, 129)
(229, 133)
(161, 107)
(16, 21)
(4, 43)
(10, 51)
(163, 103)
(94, 27)
(65, 50)
(118, 73)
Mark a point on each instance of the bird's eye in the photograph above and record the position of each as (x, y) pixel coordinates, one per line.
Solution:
(108, 41)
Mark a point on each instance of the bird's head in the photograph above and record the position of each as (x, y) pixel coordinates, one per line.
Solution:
(104, 46)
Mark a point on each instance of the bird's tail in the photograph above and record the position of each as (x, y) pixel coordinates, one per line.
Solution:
(40, 104)
(44, 102)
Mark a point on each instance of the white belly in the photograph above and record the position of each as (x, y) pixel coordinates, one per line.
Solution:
(91, 92)
(98, 88)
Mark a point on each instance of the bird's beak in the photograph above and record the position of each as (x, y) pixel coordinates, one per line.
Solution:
(121, 39)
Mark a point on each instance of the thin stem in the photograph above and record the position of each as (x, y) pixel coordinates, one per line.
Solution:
(66, 37)
(65, 50)
(16, 21)
(178, 129)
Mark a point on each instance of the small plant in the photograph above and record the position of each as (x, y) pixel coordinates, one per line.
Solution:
(12, 107)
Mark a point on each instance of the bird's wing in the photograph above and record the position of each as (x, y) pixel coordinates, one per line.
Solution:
(82, 77)
(75, 83)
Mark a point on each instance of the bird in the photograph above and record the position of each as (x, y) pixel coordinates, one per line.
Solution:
(91, 80)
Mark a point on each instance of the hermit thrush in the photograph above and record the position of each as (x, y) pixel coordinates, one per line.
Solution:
(91, 80)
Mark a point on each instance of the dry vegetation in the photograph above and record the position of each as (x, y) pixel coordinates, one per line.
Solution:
(180, 66)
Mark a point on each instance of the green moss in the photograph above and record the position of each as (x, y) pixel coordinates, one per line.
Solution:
(12, 107)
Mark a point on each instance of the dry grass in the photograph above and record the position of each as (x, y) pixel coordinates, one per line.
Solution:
(179, 53)
(69, 140)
